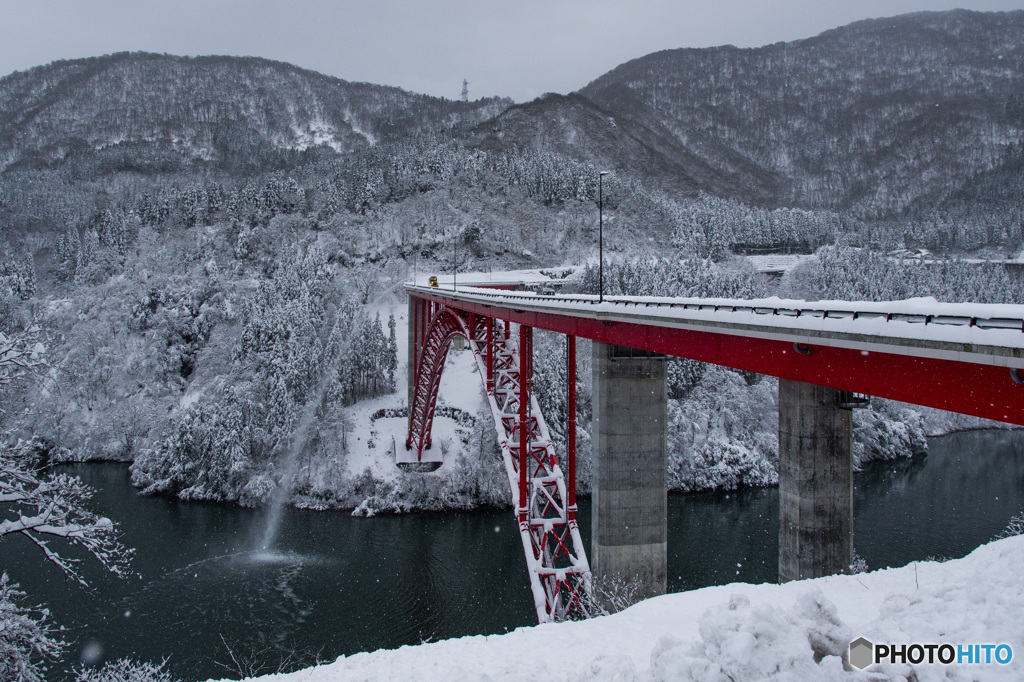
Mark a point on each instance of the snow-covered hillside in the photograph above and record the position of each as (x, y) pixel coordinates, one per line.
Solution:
(209, 109)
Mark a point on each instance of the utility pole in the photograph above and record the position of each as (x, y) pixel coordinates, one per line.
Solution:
(600, 234)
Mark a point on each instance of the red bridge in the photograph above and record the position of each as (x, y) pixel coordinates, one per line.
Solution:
(964, 358)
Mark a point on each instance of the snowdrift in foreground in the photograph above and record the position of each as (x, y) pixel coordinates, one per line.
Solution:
(797, 631)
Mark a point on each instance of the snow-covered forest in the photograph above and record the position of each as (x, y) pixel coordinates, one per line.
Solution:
(191, 314)
(188, 325)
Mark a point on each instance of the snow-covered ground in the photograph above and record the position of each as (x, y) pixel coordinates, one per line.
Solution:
(776, 263)
(796, 631)
(360, 470)
(460, 388)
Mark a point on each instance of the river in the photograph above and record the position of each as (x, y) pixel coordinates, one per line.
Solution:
(334, 584)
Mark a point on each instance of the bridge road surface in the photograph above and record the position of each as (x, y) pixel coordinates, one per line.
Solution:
(962, 357)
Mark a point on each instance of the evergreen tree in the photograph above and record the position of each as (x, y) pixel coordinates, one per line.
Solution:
(392, 352)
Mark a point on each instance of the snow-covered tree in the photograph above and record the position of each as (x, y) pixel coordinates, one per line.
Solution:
(860, 275)
(391, 359)
(27, 637)
(50, 511)
(21, 355)
(18, 277)
(48, 507)
(125, 670)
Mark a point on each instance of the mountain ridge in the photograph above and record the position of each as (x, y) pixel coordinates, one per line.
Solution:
(188, 102)
(881, 117)
(831, 115)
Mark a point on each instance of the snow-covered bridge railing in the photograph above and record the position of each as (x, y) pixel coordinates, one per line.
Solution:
(961, 357)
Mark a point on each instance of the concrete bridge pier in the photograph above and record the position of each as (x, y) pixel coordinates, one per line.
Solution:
(630, 509)
(815, 482)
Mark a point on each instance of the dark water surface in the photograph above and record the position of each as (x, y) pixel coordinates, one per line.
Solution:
(334, 584)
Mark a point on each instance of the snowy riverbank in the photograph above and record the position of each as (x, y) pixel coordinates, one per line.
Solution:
(796, 631)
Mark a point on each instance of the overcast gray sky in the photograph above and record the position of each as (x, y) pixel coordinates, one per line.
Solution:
(518, 48)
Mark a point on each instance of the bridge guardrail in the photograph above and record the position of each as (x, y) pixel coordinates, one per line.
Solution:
(834, 311)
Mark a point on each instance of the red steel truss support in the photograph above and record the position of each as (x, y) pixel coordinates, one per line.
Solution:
(424, 308)
(570, 427)
(490, 355)
(525, 379)
(544, 502)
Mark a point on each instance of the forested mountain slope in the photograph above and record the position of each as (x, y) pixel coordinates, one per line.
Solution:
(868, 117)
(884, 117)
(239, 113)
(645, 148)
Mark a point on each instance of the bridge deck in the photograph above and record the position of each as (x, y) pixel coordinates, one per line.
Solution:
(960, 357)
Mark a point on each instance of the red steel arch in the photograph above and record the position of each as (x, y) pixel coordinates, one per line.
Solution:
(543, 496)
(443, 327)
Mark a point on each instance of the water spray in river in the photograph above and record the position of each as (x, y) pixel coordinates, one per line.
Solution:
(288, 467)
(291, 462)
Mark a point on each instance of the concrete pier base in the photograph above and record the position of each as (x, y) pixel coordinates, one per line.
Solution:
(629, 522)
(815, 482)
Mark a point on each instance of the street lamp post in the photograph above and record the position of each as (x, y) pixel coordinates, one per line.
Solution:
(600, 234)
